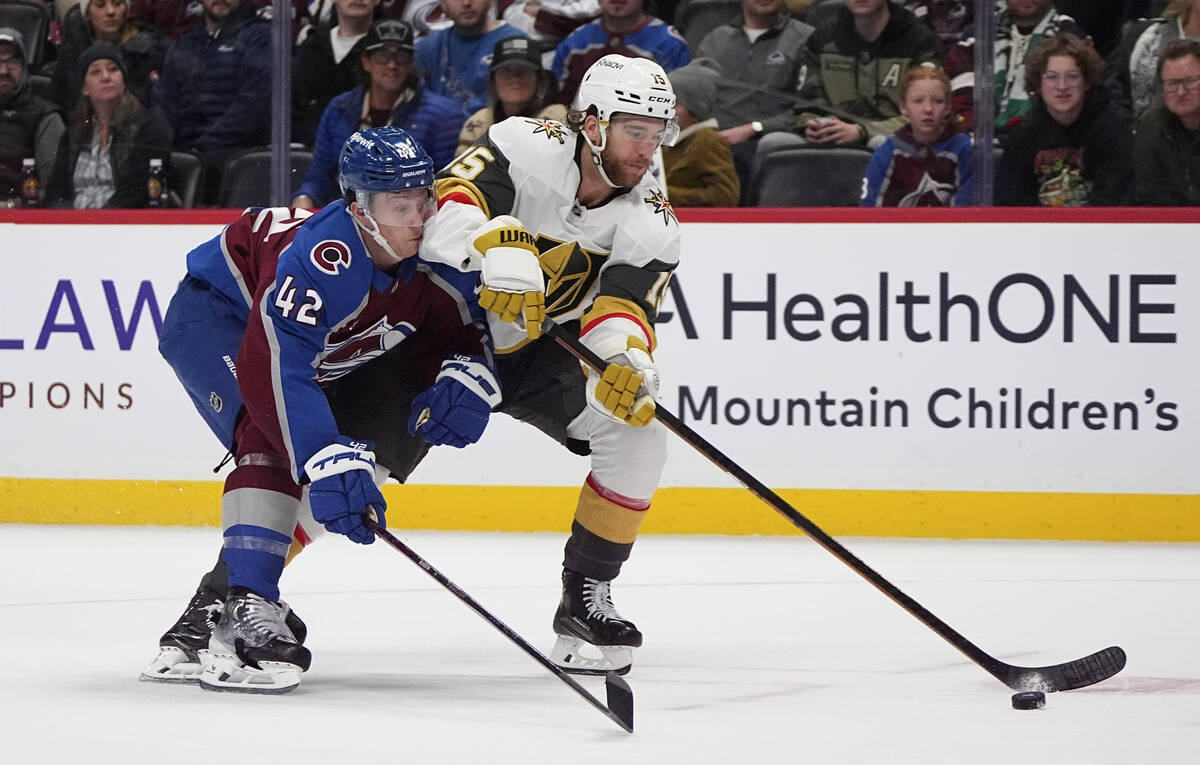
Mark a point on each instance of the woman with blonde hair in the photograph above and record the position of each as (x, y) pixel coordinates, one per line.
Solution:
(1133, 67)
(926, 163)
(104, 157)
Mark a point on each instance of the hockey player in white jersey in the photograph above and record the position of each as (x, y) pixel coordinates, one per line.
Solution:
(564, 221)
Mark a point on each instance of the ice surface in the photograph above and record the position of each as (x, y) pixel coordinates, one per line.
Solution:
(758, 650)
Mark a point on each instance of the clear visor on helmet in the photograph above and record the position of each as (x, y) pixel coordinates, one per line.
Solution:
(398, 208)
(653, 130)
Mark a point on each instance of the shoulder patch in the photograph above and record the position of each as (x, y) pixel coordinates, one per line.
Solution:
(550, 128)
(660, 205)
(330, 255)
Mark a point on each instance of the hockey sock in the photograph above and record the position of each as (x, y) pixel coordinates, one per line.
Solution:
(602, 535)
(258, 515)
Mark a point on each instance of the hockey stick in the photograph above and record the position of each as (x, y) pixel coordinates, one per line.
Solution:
(617, 691)
(1057, 677)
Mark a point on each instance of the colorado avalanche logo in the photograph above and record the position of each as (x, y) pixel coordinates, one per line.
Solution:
(330, 255)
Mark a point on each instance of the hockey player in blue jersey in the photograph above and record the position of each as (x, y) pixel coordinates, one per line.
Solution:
(273, 315)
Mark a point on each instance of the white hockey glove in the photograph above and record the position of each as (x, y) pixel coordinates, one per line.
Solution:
(626, 390)
(513, 286)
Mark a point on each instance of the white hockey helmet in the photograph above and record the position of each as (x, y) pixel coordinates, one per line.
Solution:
(637, 86)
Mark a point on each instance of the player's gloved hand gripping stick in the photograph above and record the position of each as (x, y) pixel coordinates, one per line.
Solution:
(1058, 677)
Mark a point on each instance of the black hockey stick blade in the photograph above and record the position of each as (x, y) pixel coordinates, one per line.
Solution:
(1059, 677)
(1063, 677)
(620, 697)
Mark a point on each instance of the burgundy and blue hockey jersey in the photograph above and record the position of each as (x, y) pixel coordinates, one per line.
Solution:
(905, 173)
(317, 308)
(654, 39)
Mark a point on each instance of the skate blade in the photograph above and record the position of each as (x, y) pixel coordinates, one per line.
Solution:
(572, 655)
(172, 665)
(226, 673)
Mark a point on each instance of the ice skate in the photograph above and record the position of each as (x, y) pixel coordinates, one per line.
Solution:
(178, 659)
(587, 623)
(252, 649)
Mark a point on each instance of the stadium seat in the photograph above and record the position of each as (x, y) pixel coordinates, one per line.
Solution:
(696, 18)
(32, 20)
(810, 177)
(821, 11)
(184, 178)
(246, 181)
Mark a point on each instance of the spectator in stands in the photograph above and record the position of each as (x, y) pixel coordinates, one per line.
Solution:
(396, 95)
(623, 27)
(143, 49)
(850, 75)
(548, 22)
(1133, 67)
(953, 20)
(1019, 28)
(1166, 158)
(1075, 147)
(30, 126)
(759, 58)
(927, 163)
(215, 87)
(520, 87)
(104, 156)
(171, 17)
(328, 62)
(699, 167)
(456, 60)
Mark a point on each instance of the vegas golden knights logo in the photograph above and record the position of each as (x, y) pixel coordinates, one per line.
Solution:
(570, 271)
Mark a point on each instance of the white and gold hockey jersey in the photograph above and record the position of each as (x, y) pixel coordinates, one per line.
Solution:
(616, 257)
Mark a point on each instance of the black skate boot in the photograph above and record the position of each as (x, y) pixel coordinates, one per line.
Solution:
(586, 615)
(252, 649)
(178, 656)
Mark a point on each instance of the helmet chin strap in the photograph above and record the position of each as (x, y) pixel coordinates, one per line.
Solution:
(373, 231)
(596, 152)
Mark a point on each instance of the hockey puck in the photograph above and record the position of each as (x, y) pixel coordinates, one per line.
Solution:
(1029, 700)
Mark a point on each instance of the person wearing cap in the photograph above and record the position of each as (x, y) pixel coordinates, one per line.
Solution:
(699, 167)
(143, 49)
(395, 94)
(456, 60)
(520, 88)
(215, 87)
(328, 62)
(104, 156)
(30, 126)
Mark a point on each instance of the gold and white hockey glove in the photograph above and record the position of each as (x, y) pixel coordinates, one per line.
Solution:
(627, 388)
(513, 286)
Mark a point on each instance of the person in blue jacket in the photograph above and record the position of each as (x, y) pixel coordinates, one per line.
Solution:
(272, 315)
(395, 95)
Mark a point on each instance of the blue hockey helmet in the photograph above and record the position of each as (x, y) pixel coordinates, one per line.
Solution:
(383, 159)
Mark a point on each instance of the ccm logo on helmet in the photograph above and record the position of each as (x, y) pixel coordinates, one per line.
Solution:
(330, 255)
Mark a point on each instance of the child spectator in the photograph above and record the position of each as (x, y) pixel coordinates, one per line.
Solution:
(456, 60)
(699, 167)
(395, 95)
(623, 27)
(143, 49)
(926, 163)
(104, 157)
(1167, 146)
(520, 87)
(1075, 147)
(1019, 28)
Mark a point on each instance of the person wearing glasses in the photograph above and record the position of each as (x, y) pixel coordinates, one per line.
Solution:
(30, 126)
(395, 94)
(1076, 147)
(1167, 148)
